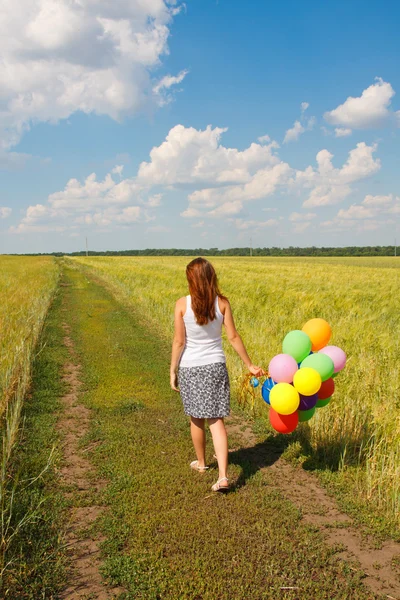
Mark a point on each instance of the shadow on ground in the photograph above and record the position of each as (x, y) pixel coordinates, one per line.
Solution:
(254, 458)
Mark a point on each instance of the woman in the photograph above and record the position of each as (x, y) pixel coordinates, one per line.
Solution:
(198, 363)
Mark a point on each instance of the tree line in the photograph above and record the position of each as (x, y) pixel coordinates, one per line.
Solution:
(247, 251)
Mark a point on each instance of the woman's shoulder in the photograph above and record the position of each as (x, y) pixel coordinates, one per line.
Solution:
(181, 304)
(223, 303)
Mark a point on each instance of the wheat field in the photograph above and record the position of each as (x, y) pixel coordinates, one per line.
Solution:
(26, 286)
(272, 296)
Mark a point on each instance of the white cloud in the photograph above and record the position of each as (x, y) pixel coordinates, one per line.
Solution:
(370, 110)
(378, 200)
(293, 134)
(91, 203)
(373, 213)
(5, 212)
(118, 170)
(243, 225)
(295, 216)
(342, 132)
(162, 87)
(189, 156)
(301, 227)
(299, 127)
(330, 185)
(356, 211)
(264, 139)
(262, 184)
(222, 178)
(59, 57)
(338, 225)
(198, 225)
(226, 209)
(154, 201)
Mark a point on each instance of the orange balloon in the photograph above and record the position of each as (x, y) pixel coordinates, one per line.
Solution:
(319, 332)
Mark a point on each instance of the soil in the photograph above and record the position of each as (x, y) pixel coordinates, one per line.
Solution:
(321, 510)
(78, 475)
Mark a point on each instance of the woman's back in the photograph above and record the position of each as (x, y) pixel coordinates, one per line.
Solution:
(203, 343)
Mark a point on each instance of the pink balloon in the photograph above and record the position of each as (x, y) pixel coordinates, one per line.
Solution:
(337, 355)
(282, 368)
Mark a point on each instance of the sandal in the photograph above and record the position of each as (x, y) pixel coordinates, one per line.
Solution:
(195, 466)
(217, 487)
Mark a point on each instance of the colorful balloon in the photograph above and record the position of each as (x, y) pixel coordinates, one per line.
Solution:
(305, 415)
(322, 403)
(282, 368)
(308, 402)
(284, 399)
(283, 423)
(321, 363)
(326, 390)
(254, 382)
(297, 344)
(337, 355)
(307, 381)
(319, 332)
(266, 389)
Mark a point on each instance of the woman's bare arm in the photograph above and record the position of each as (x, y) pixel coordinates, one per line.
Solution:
(178, 343)
(235, 339)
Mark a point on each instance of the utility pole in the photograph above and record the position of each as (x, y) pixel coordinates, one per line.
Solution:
(86, 247)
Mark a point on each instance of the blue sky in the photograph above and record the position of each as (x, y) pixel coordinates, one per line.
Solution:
(200, 124)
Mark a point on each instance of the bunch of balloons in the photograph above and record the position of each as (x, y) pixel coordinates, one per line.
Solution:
(301, 379)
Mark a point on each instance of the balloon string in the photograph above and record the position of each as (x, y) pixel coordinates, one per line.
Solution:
(247, 392)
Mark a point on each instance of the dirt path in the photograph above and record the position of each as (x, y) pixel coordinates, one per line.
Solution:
(380, 566)
(78, 476)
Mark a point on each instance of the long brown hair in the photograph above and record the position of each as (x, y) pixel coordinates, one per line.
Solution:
(203, 288)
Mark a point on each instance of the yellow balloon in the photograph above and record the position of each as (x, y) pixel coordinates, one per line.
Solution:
(307, 381)
(284, 398)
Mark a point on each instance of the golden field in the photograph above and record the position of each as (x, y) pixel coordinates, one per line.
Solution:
(26, 287)
(272, 296)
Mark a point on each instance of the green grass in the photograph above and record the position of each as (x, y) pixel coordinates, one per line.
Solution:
(167, 536)
(36, 555)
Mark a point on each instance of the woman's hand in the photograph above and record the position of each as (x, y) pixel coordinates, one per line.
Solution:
(257, 371)
(174, 382)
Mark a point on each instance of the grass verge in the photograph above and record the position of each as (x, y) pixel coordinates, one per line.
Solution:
(35, 557)
(167, 535)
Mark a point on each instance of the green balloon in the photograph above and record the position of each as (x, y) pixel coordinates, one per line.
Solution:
(321, 363)
(305, 415)
(297, 344)
(322, 403)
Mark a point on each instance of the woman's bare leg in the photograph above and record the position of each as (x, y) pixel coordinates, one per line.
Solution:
(220, 440)
(198, 439)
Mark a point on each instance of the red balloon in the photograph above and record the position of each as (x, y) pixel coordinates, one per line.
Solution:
(283, 423)
(326, 390)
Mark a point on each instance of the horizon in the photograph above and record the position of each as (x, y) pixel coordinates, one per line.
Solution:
(249, 249)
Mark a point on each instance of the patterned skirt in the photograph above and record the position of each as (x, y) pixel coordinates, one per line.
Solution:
(205, 390)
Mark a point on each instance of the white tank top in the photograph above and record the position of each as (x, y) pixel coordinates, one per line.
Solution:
(203, 342)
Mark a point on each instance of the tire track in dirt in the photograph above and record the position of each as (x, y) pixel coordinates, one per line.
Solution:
(78, 475)
(321, 510)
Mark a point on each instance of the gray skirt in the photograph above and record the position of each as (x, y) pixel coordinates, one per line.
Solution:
(205, 390)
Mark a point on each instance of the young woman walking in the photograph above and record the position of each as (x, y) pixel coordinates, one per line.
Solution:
(198, 369)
